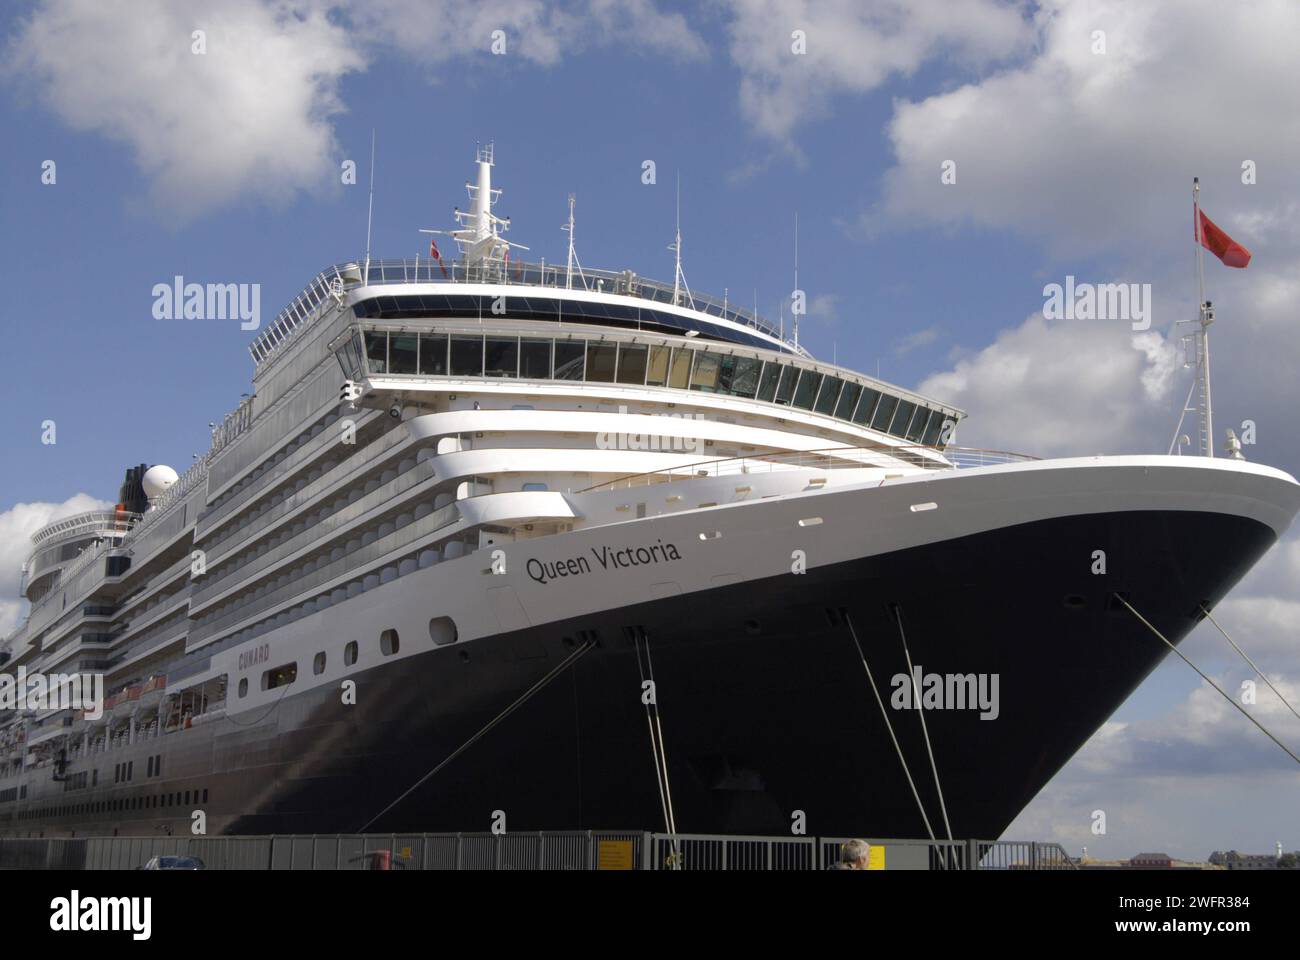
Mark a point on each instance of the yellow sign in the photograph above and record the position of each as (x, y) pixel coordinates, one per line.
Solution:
(406, 853)
(614, 855)
(877, 861)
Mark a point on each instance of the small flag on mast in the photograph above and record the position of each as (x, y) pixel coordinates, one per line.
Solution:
(433, 252)
(1229, 251)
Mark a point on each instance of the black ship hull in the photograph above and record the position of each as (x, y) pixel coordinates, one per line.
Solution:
(767, 716)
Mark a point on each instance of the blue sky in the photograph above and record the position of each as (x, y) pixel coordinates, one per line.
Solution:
(225, 168)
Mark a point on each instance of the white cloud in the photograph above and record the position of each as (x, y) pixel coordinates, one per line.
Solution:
(1062, 387)
(253, 116)
(17, 524)
(853, 48)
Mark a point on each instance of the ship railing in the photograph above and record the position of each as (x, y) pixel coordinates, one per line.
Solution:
(333, 280)
(109, 523)
(830, 458)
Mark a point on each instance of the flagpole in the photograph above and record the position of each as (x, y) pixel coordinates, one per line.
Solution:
(1207, 408)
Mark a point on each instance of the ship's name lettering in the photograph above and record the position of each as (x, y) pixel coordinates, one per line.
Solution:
(250, 658)
(609, 558)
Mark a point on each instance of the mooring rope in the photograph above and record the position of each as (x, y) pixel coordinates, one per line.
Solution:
(920, 712)
(523, 698)
(890, 727)
(1249, 661)
(1225, 695)
(657, 750)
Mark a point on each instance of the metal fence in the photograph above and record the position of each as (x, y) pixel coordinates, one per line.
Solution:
(550, 850)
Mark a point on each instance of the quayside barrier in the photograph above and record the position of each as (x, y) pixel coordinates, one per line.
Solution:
(567, 850)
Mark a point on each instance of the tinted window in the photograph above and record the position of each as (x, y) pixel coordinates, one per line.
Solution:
(807, 389)
(569, 359)
(705, 376)
(631, 364)
(828, 395)
(848, 400)
(767, 385)
(866, 406)
(600, 362)
(502, 357)
(934, 430)
(535, 359)
(917, 430)
(377, 352)
(884, 413)
(657, 369)
(785, 390)
(401, 352)
(744, 381)
(433, 354)
(902, 418)
(680, 371)
(467, 356)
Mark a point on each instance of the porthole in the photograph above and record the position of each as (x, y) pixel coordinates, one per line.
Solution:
(318, 664)
(350, 654)
(388, 643)
(442, 631)
(243, 687)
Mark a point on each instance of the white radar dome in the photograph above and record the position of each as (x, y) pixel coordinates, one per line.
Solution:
(157, 479)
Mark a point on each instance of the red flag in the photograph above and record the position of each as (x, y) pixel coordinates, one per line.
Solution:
(1221, 245)
(433, 252)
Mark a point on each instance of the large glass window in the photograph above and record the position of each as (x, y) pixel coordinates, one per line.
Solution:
(377, 352)
(785, 390)
(866, 408)
(917, 430)
(807, 389)
(535, 359)
(600, 362)
(767, 385)
(569, 356)
(848, 400)
(501, 357)
(657, 367)
(467, 356)
(884, 413)
(433, 354)
(903, 418)
(679, 374)
(828, 395)
(631, 363)
(744, 381)
(402, 352)
(934, 430)
(705, 375)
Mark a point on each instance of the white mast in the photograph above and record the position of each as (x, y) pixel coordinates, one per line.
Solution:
(679, 277)
(370, 212)
(479, 233)
(573, 253)
(1204, 408)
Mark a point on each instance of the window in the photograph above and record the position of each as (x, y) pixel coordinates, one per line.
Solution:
(535, 359)
(467, 356)
(866, 406)
(388, 643)
(279, 676)
(744, 379)
(657, 367)
(934, 430)
(243, 687)
(377, 351)
(600, 362)
(402, 350)
(318, 663)
(350, 654)
(433, 354)
(679, 372)
(631, 364)
(917, 429)
(767, 385)
(902, 418)
(442, 631)
(884, 413)
(828, 396)
(806, 392)
(569, 356)
(502, 357)
(705, 375)
(785, 389)
(848, 400)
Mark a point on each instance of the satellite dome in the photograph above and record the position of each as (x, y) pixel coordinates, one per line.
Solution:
(157, 479)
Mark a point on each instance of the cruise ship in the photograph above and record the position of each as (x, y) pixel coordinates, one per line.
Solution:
(492, 541)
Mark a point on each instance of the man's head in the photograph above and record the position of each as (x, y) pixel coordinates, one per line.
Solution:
(857, 854)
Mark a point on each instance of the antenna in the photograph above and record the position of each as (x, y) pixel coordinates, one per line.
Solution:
(796, 277)
(370, 213)
(573, 253)
(1200, 387)
(679, 277)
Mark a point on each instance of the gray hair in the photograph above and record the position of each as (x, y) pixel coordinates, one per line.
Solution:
(856, 851)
